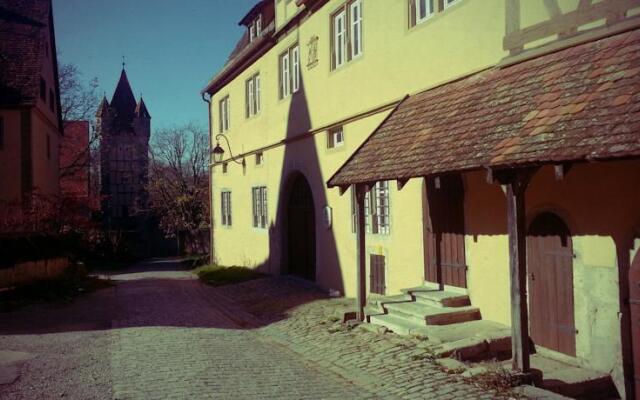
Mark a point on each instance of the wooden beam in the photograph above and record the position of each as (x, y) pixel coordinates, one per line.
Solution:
(401, 183)
(561, 170)
(516, 219)
(512, 21)
(565, 22)
(361, 261)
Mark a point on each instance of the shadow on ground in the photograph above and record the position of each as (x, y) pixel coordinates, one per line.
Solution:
(165, 293)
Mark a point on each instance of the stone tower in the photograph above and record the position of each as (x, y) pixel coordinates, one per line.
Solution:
(124, 126)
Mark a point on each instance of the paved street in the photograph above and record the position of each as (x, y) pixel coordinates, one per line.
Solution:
(159, 333)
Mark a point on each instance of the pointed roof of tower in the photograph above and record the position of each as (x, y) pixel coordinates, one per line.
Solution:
(103, 108)
(123, 101)
(141, 110)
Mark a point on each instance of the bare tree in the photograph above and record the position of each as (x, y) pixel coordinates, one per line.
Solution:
(178, 182)
(78, 99)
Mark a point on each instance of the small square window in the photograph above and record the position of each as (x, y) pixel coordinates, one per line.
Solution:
(259, 158)
(52, 101)
(43, 90)
(335, 138)
(225, 168)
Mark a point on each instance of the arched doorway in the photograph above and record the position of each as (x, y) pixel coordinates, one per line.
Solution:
(634, 300)
(446, 262)
(550, 263)
(301, 230)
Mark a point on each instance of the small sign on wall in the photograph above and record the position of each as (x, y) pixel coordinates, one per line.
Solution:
(327, 217)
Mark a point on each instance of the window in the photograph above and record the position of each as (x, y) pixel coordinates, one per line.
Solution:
(224, 114)
(1, 133)
(420, 11)
(43, 90)
(52, 101)
(290, 71)
(259, 158)
(376, 209)
(255, 29)
(335, 138)
(225, 168)
(48, 146)
(448, 3)
(355, 23)
(259, 203)
(225, 206)
(346, 41)
(253, 95)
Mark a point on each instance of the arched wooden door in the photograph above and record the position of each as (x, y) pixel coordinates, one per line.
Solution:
(550, 264)
(634, 300)
(445, 261)
(301, 235)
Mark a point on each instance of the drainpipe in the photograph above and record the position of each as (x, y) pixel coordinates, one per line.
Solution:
(212, 255)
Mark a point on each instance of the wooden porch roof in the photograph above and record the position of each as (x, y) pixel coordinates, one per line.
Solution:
(581, 103)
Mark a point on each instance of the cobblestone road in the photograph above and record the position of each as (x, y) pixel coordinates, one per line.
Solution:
(160, 334)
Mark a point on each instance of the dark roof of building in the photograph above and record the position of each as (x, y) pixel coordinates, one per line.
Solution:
(103, 108)
(255, 10)
(141, 110)
(123, 101)
(24, 29)
(581, 103)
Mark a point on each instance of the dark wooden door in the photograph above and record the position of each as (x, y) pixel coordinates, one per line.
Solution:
(550, 276)
(377, 282)
(301, 231)
(445, 260)
(634, 300)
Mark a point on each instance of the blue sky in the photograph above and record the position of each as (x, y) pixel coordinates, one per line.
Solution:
(172, 48)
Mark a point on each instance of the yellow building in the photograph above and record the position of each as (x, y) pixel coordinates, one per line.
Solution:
(30, 117)
(375, 99)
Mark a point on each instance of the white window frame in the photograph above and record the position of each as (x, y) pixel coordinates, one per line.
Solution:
(333, 136)
(259, 207)
(285, 75)
(377, 209)
(252, 89)
(224, 114)
(355, 26)
(255, 29)
(429, 10)
(259, 158)
(450, 3)
(289, 71)
(225, 208)
(340, 38)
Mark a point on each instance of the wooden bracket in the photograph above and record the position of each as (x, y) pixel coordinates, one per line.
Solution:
(343, 189)
(561, 170)
(401, 183)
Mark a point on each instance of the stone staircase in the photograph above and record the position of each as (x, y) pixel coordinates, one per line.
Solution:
(418, 308)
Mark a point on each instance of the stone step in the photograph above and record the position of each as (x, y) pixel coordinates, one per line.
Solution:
(430, 315)
(438, 298)
(396, 324)
(572, 381)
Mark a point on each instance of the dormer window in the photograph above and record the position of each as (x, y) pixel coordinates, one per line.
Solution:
(255, 29)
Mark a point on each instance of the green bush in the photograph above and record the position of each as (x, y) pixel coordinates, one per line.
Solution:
(216, 275)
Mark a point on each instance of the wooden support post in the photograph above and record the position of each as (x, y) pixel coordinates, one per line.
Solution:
(516, 187)
(361, 261)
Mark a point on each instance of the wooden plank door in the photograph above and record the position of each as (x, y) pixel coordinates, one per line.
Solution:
(445, 261)
(550, 278)
(377, 282)
(634, 300)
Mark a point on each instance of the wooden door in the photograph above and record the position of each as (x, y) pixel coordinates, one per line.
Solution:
(377, 282)
(445, 261)
(634, 301)
(550, 278)
(301, 231)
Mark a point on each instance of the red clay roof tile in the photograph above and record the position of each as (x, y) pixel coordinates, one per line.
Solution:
(581, 103)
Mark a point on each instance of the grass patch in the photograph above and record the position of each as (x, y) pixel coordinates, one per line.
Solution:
(216, 275)
(73, 282)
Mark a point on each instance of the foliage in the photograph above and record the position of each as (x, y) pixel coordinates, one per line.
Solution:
(73, 282)
(216, 275)
(78, 99)
(178, 183)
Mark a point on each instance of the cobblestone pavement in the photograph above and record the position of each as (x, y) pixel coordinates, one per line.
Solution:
(159, 333)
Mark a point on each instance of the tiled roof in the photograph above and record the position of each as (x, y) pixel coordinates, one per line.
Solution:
(581, 103)
(24, 28)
